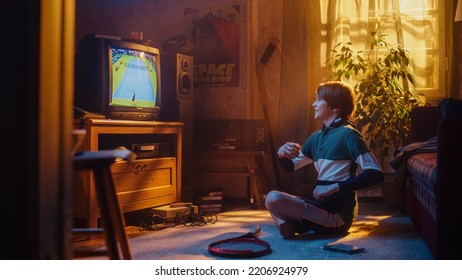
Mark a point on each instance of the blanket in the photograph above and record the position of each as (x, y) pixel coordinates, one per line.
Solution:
(399, 163)
(403, 153)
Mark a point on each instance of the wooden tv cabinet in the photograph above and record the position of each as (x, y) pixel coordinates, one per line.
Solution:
(149, 181)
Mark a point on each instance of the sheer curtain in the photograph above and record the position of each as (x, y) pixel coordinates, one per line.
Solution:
(416, 25)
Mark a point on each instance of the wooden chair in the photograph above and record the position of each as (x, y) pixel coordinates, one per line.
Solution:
(112, 219)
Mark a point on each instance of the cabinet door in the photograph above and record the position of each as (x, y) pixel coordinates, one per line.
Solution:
(145, 183)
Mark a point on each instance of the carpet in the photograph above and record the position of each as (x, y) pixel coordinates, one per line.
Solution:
(385, 234)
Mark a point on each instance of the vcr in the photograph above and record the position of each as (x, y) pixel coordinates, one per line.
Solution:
(152, 150)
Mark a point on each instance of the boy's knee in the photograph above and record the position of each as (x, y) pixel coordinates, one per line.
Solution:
(268, 200)
(271, 198)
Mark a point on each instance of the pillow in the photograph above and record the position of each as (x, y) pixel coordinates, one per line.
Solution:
(450, 108)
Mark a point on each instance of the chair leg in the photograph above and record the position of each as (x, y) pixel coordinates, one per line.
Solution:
(112, 218)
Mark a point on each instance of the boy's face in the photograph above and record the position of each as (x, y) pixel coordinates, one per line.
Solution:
(322, 111)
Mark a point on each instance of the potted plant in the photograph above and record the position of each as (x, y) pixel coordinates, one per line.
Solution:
(384, 88)
(384, 91)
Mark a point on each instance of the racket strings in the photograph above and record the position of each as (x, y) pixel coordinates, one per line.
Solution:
(243, 244)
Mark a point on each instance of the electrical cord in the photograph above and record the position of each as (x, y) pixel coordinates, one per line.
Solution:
(186, 218)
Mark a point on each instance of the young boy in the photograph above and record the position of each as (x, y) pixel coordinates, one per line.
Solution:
(336, 151)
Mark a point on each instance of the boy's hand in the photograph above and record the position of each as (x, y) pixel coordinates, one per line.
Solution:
(289, 150)
(322, 191)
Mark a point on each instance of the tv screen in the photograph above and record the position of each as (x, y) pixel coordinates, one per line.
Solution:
(119, 79)
(134, 78)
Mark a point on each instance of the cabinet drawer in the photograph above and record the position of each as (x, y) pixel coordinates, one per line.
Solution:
(145, 180)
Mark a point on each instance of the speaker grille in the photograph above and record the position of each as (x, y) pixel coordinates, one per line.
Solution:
(184, 89)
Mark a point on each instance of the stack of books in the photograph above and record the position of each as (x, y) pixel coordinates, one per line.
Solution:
(209, 200)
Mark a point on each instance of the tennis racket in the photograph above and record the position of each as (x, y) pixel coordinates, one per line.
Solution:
(244, 246)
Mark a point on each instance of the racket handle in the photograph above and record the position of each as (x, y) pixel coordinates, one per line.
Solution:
(252, 233)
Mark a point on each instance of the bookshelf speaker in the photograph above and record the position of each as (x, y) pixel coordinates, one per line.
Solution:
(177, 106)
(176, 86)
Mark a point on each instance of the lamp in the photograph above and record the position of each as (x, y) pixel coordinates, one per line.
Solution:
(458, 16)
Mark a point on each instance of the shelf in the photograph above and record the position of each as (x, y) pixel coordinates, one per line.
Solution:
(141, 184)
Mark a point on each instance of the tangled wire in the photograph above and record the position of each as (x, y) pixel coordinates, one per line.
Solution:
(186, 218)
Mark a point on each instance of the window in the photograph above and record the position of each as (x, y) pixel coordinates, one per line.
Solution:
(416, 25)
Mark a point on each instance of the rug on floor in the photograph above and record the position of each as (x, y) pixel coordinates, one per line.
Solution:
(384, 237)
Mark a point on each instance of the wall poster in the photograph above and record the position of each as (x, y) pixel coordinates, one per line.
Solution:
(214, 32)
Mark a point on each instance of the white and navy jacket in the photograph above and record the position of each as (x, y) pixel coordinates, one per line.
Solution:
(339, 154)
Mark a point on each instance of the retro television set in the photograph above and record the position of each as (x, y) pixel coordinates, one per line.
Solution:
(118, 79)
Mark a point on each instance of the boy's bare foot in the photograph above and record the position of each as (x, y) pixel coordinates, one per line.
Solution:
(287, 229)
